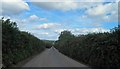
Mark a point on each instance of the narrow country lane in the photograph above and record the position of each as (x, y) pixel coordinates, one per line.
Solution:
(52, 58)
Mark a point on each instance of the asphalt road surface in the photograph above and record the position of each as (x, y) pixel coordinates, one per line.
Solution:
(52, 58)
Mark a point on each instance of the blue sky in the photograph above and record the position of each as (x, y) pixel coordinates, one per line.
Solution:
(46, 20)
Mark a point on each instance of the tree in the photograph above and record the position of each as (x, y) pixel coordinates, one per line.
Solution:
(101, 50)
(18, 45)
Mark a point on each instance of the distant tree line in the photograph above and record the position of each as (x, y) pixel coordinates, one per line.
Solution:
(48, 43)
(18, 45)
(101, 50)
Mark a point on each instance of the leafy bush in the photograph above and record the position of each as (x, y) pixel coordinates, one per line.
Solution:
(94, 49)
(18, 45)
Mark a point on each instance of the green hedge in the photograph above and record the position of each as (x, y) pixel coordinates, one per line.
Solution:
(17, 45)
(94, 49)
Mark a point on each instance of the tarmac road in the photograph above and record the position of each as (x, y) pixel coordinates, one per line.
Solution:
(52, 58)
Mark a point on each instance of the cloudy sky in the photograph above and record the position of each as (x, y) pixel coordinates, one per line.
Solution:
(47, 18)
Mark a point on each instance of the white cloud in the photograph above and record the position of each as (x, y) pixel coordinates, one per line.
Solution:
(36, 18)
(96, 12)
(44, 33)
(89, 30)
(24, 23)
(5, 17)
(67, 5)
(83, 17)
(16, 6)
(13, 6)
(75, 0)
(64, 6)
(102, 13)
(58, 31)
(99, 10)
(78, 31)
(48, 26)
(33, 17)
(102, 9)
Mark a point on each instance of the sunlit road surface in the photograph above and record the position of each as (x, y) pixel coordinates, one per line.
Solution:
(52, 58)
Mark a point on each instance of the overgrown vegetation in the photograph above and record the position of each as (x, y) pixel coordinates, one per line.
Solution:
(18, 45)
(94, 49)
(48, 43)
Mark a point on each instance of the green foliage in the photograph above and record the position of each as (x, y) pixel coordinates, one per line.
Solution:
(48, 43)
(64, 42)
(18, 45)
(94, 49)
